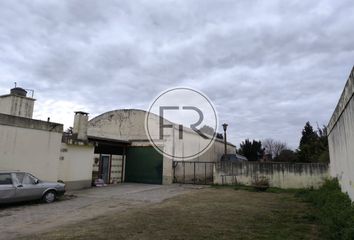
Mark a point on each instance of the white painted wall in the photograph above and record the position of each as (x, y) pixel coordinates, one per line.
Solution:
(120, 124)
(341, 139)
(281, 175)
(30, 150)
(76, 165)
(341, 146)
(17, 105)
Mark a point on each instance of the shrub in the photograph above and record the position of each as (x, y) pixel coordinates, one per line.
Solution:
(335, 210)
(261, 183)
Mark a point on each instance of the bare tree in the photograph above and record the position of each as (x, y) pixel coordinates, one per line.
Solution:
(273, 147)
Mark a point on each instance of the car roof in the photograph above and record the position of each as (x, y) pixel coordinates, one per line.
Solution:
(10, 171)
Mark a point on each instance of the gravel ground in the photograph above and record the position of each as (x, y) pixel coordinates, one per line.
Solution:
(211, 213)
(29, 218)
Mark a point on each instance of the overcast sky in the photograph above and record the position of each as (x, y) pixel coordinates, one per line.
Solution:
(268, 66)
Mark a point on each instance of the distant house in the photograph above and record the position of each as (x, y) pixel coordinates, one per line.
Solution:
(233, 157)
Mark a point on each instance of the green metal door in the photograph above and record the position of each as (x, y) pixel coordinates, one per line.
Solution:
(143, 165)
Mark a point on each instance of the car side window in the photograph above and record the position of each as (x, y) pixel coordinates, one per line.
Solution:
(28, 179)
(19, 177)
(5, 179)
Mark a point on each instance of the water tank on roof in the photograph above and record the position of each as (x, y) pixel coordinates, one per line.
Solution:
(18, 91)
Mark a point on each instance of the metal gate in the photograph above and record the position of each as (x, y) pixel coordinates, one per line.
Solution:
(192, 172)
(143, 165)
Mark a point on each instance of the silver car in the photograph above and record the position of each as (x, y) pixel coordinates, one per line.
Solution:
(18, 186)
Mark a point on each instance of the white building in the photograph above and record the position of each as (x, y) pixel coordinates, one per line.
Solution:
(112, 146)
(36, 146)
(124, 153)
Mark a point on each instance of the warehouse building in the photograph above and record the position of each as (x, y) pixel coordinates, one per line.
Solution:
(113, 147)
(124, 153)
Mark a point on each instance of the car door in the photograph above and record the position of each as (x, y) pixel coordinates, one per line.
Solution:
(7, 189)
(28, 187)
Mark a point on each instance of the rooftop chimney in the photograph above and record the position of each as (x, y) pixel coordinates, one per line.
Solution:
(80, 125)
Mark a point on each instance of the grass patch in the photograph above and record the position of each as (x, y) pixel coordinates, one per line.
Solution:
(211, 213)
(253, 189)
(335, 211)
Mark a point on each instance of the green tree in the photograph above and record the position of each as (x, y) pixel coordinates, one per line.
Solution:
(287, 155)
(313, 145)
(309, 136)
(323, 144)
(253, 151)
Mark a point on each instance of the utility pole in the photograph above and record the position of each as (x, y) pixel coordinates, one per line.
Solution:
(225, 139)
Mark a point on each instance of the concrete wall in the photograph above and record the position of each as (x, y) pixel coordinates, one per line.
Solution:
(341, 139)
(30, 145)
(76, 165)
(281, 175)
(17, 105)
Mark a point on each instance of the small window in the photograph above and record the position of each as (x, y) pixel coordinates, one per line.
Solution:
(28, 179)
(5, 179)
(20, 177)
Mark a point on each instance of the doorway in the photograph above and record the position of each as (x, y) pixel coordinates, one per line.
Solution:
(105, 168)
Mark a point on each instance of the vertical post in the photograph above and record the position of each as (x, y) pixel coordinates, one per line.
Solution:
(225, 144)
(184, 173)
(174, 171)
(123, 164)
(110, 169)
(225, 138)
(194, 174)
(205, 181)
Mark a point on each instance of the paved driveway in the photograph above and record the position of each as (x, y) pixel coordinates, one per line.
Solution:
(19, 220)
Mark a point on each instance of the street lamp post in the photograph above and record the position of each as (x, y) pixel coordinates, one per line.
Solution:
(225, 140)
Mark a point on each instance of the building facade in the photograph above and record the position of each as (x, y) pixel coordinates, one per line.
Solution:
(112, 147)
(123, 145)
(38, 147)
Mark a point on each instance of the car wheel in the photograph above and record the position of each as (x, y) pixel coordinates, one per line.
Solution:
(49, 197)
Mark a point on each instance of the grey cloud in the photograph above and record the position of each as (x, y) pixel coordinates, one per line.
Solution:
(268, 66)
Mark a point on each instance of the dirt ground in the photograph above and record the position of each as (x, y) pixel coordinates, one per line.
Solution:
(28, 218)
(207, 213)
